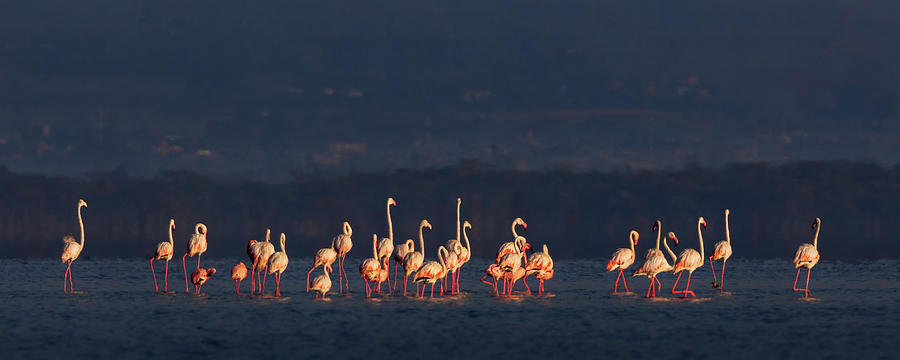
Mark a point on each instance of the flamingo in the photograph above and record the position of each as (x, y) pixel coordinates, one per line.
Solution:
(259, 253)
(657, 226)
(432, 271)
(238, 273)
(343, 245)
(462, 253)
(544, 275)
(400, 252)
(465, 254)
(368, 269)
(723, 251)
(200, 276)
(164, 251)
(539, 262)
(71, 249)
(513, 276)
(656, 264)
(324, 257)
(495, 272)
(386, 246)
(510, 264)
(322, 283)
(513, 246)
(452, 263)
(622, 259)
(689, 260)
(196, 246)
(413, 260)
(807, 257)
(278, 262)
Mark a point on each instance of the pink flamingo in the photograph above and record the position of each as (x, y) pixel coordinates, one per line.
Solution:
(622, 259)
(238, 273)
(455, 247)
(386, 245)
(655, 265)
(514, 246)
(196, 246)
(539, 263)
(722, 251)
(807, 257)
(343, 244)
(495, 272)
(260, 252)
(689, 260)
(413, 260)
(432, 271)
(510, 264)
(512, 276)
(277, 264)
(657, 226)
(322, 284)
(71, 249)
(400, 252)
(324, 257)
(200, 276)
(369, 267)
(164, 251)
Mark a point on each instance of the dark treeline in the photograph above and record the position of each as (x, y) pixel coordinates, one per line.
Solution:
(577, 215)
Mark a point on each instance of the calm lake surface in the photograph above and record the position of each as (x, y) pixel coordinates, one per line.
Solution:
(854, 312)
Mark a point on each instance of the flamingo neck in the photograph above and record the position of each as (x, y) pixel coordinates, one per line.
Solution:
(458, 202)
(171, 238)
(700, 236)
(390, 224)
(631, 240)
(468, 246)
(268, 234)
(441, 251)
(671, 253)
(658, 233)
(375, 246)
(421, 240)
(282, 243)
(727, 231)
(815, 239)
(410, 245)
(81, 226)
(515, 234)
(348, 231)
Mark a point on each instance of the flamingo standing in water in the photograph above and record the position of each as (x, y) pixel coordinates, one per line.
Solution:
(722, 251)
(238, 273)
(511, 264)
(539, 263)
(807, 257)
(657, 226)
(622, 259)
(655, 265)
(463, 254)
(413, 260)
(432, 271)
(164, 251)
(196, 246)
(689, 260)
(260, 252)
(71, 249)
(386, 245)
(322, 283)
(324, 257)
(277, 264)
(368, 268)
(343, 244)
(495, 272)
(200, 276)
(514, 246)
(400, 252)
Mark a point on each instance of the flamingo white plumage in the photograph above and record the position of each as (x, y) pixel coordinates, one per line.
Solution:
(200, 277)
(657, 264)
(807, 257)
(432, 271)
(342, 246)
(689, 260)
(277, 264)
(514, 246)
(164, 251)
(386, 245)
(324, 257)
(722, 251)
(238, 274)
(622, 259)
(196, 246)
(72, 249)
(413, 261)
(368, 268)
(322, 284)
(260, 252)
(539, 263)
(400, 251)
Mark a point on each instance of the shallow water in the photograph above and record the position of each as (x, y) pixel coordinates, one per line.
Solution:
(854, 311)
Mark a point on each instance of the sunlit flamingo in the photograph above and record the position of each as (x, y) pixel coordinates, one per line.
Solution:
(368, 268)
(689, 260)
(200, 276)
(238, 273)
(510, 264)
(324, 257)
(322, 283)
(413, 261)
(400, 251)
(657, 226)
(514, 246)
(386, 245)
(278, 263)
(465, 254)
(495, 272)
(452, 263)
(432, 271)
(71, 249)
(807, 257)
(164, 251)
(195, 246)
(722, 251)
(512, 276)
(656, 264)
(259, 253)
(342, 246)
(622, 259)
(542, 276)
(455, 247)
(539, 262)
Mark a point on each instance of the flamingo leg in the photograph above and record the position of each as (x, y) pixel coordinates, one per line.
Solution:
(405, 280)
(808, 272)
(278, 285)
(154, 275)
(166, 286)
(616, 287)
(658, 285)
(236, 286)
(367, 288)
(526, 286)
(307, 277)
(715, 283)
(432, 291)
(687, 288)
(198, 263)
(265, 276)
(722, 284)
(648, 289)
(482, 280)
(395, 277)
(183, 268)
(795, 280)
(458, 273)
(496, 293)
(68, 276)
(676, 284)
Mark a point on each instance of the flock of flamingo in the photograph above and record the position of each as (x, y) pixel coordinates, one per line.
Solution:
(512, 262)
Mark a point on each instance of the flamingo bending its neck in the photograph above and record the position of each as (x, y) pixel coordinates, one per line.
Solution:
(238, 274)
(196, 246)
(343, 244)
(324, 257)
(657, 264)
